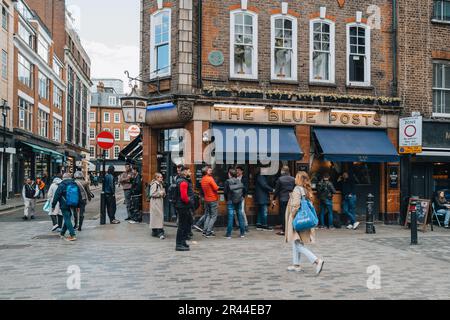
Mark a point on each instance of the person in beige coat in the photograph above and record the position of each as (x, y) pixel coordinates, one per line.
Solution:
(156, 196)
(300, 239)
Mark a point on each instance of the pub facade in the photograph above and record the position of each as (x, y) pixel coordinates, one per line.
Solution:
(272, 83)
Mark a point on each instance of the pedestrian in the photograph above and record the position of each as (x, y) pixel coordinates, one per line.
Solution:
(136, 197)
(233, 192)
(441, 207)
(347, 185)
(68, 195)
(125, 181)
(283, 187)
(300, 239)
(172, 192)
(210, 191)
(110, 197)
(240, 175)
(30, 192)
(156, 196)
(325, 192)
(96, 180)
(200, 224)
(46, 182)
(56, 214)
(86, 196)
(41, 185)
(262, 200)
(184, 206)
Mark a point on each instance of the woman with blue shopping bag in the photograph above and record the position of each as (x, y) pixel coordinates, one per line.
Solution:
(301, 219)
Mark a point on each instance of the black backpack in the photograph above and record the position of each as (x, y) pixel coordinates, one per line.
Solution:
(30, 191)
(324, 191)
(236, 191)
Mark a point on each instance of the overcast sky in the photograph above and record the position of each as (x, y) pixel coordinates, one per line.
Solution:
(109, 31)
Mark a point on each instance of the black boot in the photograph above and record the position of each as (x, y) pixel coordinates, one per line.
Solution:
(75, 221)
(80, 223)
(54, 220)
(60, 221)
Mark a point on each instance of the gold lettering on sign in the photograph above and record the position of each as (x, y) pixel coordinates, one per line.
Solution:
(273, 116)
(234, 112)
(345, 118)
(248, 114)
(333, 117)
(356, 119)
(377, 121)
(297, 119)
(310, 117)
(284, 118)
(220, 111)
(367, 116)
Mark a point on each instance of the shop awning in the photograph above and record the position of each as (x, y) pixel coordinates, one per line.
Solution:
(356, 145)
(251, 143)
(43, 150)
(133, 151)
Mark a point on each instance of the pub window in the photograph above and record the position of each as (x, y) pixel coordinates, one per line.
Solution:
(243, 44)
(441, 10)
(116, 152)
(322, 53)
(284, 47)
(160, 39)
(441, 89)
(358, 54)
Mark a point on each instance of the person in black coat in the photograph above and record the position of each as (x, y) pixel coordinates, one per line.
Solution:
(262, 200)
(240, 175)
(283, 187)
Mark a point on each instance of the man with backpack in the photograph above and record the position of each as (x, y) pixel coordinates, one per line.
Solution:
(326, 190)
(184, 206)
(233, 192)
(30, 192)
(69, 197)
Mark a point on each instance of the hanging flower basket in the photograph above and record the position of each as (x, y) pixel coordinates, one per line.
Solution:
(250, 95)
(224, 93)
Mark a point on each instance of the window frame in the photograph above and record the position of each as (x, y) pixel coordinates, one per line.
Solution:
(254, 74)
(118, 134)
(41, 76)
(116, 150)
(43, 131)
(25, 116)
(30, 71)
(153, 57)
(117, 114)
(441, 18)
(5, 17)
(40, 46)
(126, 135)
(104, 117)
(92, 119)
(332, 62)
(57, 133)
(92, 152)
(112, 101)
(4, 65)
(57, 97)
(294, 56)
(92, 135)
(368, 50)
(447, 64)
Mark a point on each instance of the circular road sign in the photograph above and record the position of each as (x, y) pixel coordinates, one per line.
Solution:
(410, 131)
(134, 131)
(105, 140)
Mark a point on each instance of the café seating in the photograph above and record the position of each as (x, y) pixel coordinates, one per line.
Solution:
(437, 216)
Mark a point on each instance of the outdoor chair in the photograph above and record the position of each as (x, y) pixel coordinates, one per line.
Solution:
(437, 216)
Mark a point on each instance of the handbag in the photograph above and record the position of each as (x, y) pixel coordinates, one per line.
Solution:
(47, 206)
(306, 217)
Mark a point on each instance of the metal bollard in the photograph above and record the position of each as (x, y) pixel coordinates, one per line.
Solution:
(370, 227)
(413, 224)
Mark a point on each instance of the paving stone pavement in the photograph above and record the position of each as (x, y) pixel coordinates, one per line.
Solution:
(125, 262)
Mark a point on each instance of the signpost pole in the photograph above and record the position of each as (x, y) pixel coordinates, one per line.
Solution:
(102, 197)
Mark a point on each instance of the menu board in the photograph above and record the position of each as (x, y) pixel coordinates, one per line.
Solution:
(422, 210)
(198, 175)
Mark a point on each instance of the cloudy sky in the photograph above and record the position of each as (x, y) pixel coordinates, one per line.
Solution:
(109, 31)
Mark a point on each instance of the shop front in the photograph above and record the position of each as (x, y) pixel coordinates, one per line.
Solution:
(252, 136)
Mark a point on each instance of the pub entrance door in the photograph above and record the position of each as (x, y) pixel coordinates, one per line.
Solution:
(169, 171)
(367, 179)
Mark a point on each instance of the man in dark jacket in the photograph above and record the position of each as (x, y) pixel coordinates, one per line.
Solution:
(348, 187)
(326, 190)
(67, 211)
(262, 200)
(283, 187)
(136, 197)
(233, 192)
(109, 188)
(184, 206)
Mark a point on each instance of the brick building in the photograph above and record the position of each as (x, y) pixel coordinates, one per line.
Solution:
(106, 115)
(424, 86)
(317, 78)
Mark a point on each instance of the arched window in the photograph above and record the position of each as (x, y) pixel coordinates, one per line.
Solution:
(358, 54)
(284, 47)
(243, 44)
(322, 51)
(160, 40)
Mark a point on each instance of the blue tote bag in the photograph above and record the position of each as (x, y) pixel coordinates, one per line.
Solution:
(306, 217)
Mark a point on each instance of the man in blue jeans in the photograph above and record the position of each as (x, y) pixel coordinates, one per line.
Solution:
(233, 192)
(326, 190)
(349, 197)
(262, 201)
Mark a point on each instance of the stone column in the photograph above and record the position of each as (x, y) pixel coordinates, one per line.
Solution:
(185, 63)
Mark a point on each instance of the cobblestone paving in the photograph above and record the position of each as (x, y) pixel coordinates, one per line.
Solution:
(124, 262)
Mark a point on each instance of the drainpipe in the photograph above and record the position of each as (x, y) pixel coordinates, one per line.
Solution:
(199, 47)
(394, 48)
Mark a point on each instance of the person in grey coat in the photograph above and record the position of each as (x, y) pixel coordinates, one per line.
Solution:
(262, 200)
(283, 187)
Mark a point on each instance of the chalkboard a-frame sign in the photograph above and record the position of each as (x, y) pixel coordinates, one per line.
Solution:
(422, 209)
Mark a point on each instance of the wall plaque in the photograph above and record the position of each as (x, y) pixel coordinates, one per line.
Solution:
(216, 58)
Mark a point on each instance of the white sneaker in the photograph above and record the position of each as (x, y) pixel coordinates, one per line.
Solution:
(55, 227)
(350, 226)
(131, 222)
(355, 225)
(319, 266)
(294, 269)
(162, 237)
(228, 238)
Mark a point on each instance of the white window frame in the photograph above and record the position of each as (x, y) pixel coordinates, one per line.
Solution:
(43, 131)
(43, 95)
(126, 135)
(441, 18)
(116, 151)
(117, 131)
(116, 114)
(92, 135)
(332, 63)
(57, 130)
(112, 101)
(43, 45)
(104, 117)
(367, 66)
(5, 19)
(254, 74)
(4, 63)
(92, 116)
(294, 55)
(447, 64)
(107, 154)
(153, 73)
(92, 153)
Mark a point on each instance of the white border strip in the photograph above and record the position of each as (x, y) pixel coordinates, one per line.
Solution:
(24, 96)
(57, 116)
(44, 108)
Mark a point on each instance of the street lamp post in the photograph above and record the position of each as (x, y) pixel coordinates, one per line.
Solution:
(5, 109)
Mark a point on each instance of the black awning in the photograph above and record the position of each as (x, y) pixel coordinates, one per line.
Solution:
(132, 151)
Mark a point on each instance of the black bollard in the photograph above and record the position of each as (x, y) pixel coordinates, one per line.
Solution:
(370, 228)
(413, 224)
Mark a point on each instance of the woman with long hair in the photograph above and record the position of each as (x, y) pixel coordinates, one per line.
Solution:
(300, 239)
(156, 194)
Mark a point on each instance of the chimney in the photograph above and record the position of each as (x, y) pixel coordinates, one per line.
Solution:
(100, 87)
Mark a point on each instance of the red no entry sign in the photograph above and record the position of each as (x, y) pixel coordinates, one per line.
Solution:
(105, 140)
